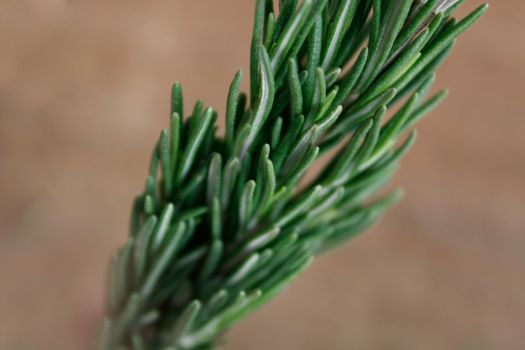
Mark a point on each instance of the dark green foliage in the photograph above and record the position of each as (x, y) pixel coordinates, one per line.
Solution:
(224, 225)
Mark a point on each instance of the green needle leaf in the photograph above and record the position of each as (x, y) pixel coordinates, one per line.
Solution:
(185, 322)
(337, 29)
(246, 203)
(289, 34)
(193, 144)
(176, 99)
(264, 102)
(257, 36)
(231, 110)
(295, 88)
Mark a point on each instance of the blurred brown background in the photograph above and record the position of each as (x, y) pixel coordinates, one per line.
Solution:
(84, 90)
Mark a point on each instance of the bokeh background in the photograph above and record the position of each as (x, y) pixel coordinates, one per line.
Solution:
(84, 91)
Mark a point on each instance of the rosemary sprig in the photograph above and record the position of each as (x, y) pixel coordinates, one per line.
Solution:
(224, 226)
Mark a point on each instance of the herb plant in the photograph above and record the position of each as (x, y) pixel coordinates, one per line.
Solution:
(224, 222)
